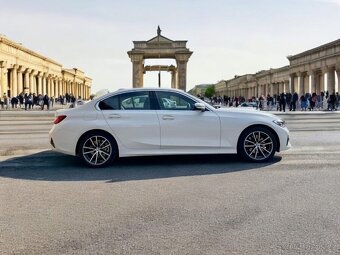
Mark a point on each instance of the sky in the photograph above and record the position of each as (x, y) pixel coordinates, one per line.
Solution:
(228, 37)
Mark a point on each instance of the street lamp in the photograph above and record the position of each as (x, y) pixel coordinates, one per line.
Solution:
(159, 56)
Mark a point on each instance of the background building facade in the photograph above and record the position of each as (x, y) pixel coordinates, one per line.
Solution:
(311, 71)
(25, 71)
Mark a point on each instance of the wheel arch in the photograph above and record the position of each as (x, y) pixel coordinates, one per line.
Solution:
(262, 126)
(96, 131)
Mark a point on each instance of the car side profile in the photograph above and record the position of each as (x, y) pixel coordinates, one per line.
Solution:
(151, 122)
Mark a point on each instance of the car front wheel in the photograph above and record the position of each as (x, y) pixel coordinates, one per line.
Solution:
(97, 149)
(257, 144)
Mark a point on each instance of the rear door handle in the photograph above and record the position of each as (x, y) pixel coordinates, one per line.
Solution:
(168, 117)
(114, 116)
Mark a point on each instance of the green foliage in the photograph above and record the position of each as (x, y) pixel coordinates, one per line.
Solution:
(209, 92)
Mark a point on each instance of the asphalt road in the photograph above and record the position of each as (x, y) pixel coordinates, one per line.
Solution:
(50, 204)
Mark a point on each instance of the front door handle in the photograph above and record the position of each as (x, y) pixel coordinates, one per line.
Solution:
(114, 116)
(168, 117)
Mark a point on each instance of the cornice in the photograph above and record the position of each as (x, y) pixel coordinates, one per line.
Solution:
(314, 50)
(19, 46)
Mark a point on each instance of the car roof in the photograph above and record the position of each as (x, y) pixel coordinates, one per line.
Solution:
(118, 91)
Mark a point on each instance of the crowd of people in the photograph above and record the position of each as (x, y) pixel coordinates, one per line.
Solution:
(285, 101)
(30, 101)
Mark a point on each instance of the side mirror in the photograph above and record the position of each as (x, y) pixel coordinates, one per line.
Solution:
(200, 106)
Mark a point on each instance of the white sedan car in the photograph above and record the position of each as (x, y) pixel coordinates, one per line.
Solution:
(141, 122)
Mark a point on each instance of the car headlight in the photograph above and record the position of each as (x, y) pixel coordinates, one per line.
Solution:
(280, 123)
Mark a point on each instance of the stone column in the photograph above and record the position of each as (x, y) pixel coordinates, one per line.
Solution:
(53, 86)
(291, 84)
(26, 87)
(173, 79)
(14, 82)
(137, 70)
(49, 86)
(20, 82)
(318, 83)
(44, 84)
(259, 90)
(56, 91)
(62, 90)
(338, 75)
(281, 89)
(75, 89)
(61, 87)
(285, 86)
(32, 87)
(85, 91)
(312, 81)
(3, 78)
(331, 80)
(64, 87)
(323, 81)
(298, 87)
(182, 60)
(182, 73)
(275, 85)
(39, 83)
(80, 90)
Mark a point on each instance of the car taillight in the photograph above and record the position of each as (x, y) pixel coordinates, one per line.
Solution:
(59, 119)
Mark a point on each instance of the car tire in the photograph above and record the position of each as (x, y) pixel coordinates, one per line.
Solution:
(98, 149)
(257, 144)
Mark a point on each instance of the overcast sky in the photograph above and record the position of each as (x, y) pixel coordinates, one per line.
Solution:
(227, 37)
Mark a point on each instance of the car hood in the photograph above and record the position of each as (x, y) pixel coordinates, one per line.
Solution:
(245, 111)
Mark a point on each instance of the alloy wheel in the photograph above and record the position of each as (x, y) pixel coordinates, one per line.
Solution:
(258, 145)
(97, 150)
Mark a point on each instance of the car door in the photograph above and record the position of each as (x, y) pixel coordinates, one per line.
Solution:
(182, 126)
(132, 120)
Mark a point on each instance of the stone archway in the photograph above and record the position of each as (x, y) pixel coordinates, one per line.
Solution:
(156, 48)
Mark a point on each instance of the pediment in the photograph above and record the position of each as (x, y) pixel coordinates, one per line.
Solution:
(159, 39)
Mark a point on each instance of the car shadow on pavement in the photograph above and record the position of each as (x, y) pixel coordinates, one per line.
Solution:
(52, 166)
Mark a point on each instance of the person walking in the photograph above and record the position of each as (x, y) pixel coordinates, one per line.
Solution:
(331, 102)
(5, 101)
(282, 102)
(14, 102)
(304, 103)
(28, 101)
(46, 101)
(295, 98)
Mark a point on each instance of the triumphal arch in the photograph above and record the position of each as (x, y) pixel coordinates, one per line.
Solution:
(156, 48)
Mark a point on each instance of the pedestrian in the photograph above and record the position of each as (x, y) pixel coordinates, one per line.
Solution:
(46, 101)
(5, 101)
(282, 102)
(295, 98)
(304, 103)
(1, 103)
(14, 102)
(28, 101)
(331, 102)
(312, 101)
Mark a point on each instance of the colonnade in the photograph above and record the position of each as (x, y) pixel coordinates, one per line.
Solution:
(313, 71)
(317, 80)
(19, 79)
(25, 71)
(257, 90)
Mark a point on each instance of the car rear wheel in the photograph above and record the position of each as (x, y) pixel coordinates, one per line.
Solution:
(97, 149)
(257, 144)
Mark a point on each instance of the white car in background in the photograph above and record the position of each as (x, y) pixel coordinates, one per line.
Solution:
(149, 122)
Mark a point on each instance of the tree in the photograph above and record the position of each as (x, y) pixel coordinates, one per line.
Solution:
(209, 92)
